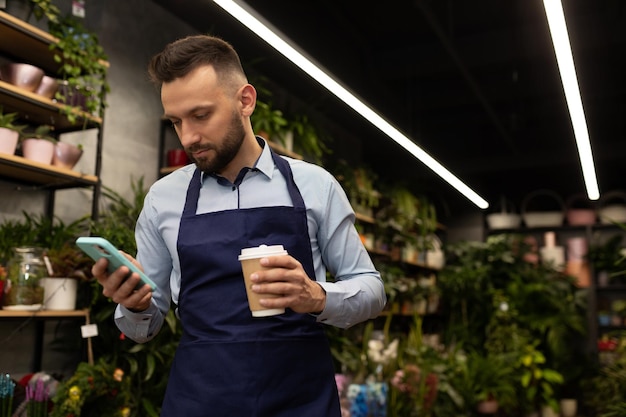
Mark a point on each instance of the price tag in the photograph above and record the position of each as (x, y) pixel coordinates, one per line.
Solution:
(89, 330)
(78, 8)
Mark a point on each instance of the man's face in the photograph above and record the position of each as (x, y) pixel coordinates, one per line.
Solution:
(206, 118)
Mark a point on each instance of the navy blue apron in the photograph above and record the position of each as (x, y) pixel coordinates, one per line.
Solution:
(228, 363)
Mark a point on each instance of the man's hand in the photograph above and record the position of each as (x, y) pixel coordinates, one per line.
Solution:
(120, 287)
(286, 277)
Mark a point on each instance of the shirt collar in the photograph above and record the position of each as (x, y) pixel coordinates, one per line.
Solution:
(265, 163)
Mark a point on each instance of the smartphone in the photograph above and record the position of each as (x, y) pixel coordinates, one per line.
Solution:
(98, 247)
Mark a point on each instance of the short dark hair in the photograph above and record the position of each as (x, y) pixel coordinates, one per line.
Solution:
(184, 55)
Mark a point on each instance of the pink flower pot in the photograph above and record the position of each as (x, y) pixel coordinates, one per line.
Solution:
(8, 140)
(66, 155)
(25, 76)
(38, 150)
(47, 87)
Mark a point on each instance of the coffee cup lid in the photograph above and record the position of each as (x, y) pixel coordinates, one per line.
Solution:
(261, 251)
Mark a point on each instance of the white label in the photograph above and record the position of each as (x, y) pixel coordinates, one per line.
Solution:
(78, 8)
(89, 330)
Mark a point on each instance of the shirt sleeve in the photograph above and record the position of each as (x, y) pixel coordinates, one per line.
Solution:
(356, 292)
(155, 258)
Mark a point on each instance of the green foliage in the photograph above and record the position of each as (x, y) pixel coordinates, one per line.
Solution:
(307, 139)
(41, 132)
(538, 381)
(83, 65)
(38, 230)
(492, 377)
(119, 216)
(93, 391)
(412, 218)
(607, 256)
(45, 8)
(498, 302)
(268, 119)
(7, 120)
(147, 365)
(604, 391)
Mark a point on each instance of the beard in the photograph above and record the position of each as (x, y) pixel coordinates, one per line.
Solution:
(222, 154)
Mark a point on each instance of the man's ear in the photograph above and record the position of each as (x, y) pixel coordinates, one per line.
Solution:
(248, 99)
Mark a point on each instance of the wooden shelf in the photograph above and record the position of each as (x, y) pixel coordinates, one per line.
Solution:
(41, 110)
(45, 313)
(168, 170)
(27, 43)
(25, 171)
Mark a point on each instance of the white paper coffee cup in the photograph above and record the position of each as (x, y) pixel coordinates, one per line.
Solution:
(249, 259)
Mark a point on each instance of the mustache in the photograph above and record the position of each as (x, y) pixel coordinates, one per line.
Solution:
(198, 148)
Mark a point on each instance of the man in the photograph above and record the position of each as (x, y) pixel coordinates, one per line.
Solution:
(195, 222)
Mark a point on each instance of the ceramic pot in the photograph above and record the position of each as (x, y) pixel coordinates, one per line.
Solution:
(71, 96)
(547, 411)
(47, 87)
(59, 293)
(24, 76)
(8, 140)
(503, 221)
(569, 406)
(66, 155)
(38, 150)
(487, 407)
(613, 208)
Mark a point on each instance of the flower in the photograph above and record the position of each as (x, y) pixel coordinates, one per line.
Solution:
(74, 393)
(419, 394)
(118, 375)
(99, 386)
(380, 354)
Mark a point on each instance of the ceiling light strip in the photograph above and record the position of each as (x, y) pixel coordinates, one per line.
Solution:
(246, 17)
(565, 60)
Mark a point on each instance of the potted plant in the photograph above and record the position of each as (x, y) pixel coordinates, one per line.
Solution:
(307, 139)
(538, 381)
(83, 67)
(9, 132)
(69, 267)
(39, 145)
(269, 122)
(359, 184)
(605, 258)
(66, 155)
(491, 378)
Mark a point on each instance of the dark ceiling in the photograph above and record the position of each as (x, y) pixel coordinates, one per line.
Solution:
(474, 83)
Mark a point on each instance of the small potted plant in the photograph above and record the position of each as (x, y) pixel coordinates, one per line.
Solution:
(491, 378)
(39, 145)
(9, 132)
(605, 258)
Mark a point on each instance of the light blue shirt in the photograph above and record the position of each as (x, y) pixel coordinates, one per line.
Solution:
(355, 294)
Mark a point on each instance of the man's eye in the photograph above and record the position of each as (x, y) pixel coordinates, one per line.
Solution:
(175, 123)
(201, 116)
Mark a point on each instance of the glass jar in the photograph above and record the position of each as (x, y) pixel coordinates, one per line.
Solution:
(23, 290)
